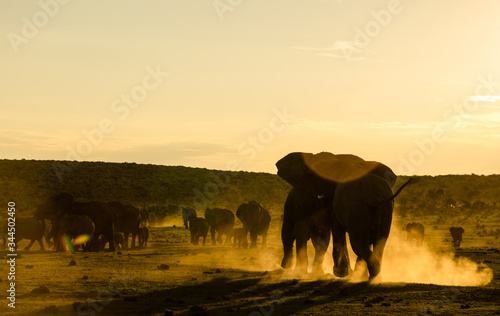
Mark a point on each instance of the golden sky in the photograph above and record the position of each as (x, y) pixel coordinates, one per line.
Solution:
(235, 84)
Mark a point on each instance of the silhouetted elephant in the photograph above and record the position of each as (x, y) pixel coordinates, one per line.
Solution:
(187, 212)
(25, 228)
(56, 207)
(307, 212)
(237, 235)
(456, 233)
(305, 216)
(199, 228)
(415, 232)
(144, 214)
(220, 221)
(75, 230)
(255, 219)
(127, 221)
(143, 235)
(363, 208)
(118, 240)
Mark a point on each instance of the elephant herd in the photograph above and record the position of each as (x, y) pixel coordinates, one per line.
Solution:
(90, 224)
(415, 233)
(254, 217)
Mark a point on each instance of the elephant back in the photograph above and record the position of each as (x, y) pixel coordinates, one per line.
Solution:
(128, 217)
(217, 216)
(253, 212)
(323, 170)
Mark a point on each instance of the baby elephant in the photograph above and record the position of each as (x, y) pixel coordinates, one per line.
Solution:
(119, 240)
(198, 227)
(239, 235)
(143, 234)
(72, 227)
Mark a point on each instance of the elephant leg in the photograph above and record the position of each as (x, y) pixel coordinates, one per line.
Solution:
(110, 234)
(134, 235)
(361, 248)
(125, 240)
(320, 244)
(360, 269)
(287, 238)
(264, 239)
(40, 242)
(32, 241)
(253, 239)
(302, 261)
(204, 238)
(341, 265)
(212, 233)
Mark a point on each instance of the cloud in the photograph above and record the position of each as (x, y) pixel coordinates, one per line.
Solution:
(348, 49)
(485, 98)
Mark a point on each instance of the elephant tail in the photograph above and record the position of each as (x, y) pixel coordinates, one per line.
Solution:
(398, 191)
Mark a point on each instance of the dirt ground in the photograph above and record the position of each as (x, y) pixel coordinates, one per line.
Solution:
(172, 277)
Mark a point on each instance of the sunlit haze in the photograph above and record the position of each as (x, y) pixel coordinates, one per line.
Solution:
(413, 84)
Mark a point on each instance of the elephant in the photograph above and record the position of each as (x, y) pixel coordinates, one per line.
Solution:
(305, 217)
(307, 210)
(363, 208)
(143, 236)
(415, 231)
(237, 235)
(199, 228)
(456, 233)
(220, 220)
(145, 220)
(118, 240)
(56, 207)
(255, 219)
(187, 212)
(72, 228)
(25, 228)
(127, 221)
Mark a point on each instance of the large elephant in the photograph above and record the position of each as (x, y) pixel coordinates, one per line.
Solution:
(187, 212)
(220, 221)
(255, 219)
(198, 228)
(363, 208)
(415, 231)
(307, 211)
(305, 217)
(456, 234)
(127, 221)
(26, 228)
(75, 230)
(56, 207)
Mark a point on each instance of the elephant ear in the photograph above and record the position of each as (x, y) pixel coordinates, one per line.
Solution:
(294, 167)
(64, 202)
(310, 170)
(241, 211)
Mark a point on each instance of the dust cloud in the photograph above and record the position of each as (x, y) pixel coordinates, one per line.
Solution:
(405, 262)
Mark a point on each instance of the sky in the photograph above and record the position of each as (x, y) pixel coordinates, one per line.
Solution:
(236, 84)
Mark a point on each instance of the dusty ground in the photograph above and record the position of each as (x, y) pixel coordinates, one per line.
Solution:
(221, 280)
